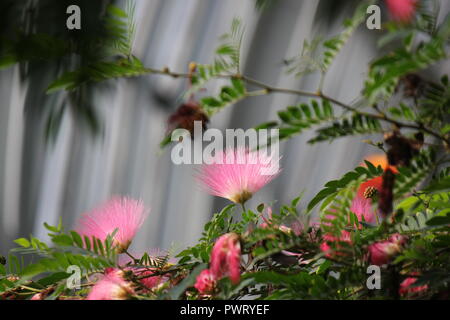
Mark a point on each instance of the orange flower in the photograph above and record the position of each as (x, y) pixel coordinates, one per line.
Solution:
(380, 159)
(377, 159)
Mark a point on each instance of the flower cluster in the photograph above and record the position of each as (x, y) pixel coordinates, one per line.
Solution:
(389, 214)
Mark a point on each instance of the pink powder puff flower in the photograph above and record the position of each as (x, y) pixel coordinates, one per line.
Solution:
(206, 282)
(382, 252)
(402, 10)
(111, 287)
(407, 289)
(237, 174)
(363, 208)
(226, 257)
(124, 214)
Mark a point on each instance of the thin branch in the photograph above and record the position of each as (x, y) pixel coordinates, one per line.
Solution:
(271, 89)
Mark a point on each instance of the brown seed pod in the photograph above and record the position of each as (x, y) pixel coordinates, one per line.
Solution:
(185, 115)
(402, 149)
(386, 193)
(412, 85)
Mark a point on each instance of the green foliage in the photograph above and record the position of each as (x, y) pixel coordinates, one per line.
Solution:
(218, 225)
(402, 112)
(357, 124)
(427, 20)
(69, 249)
(295, 119)
(97, 72)
(296, 286)
(385, 72)
(435, 105)
(187, 282)
(228, 95)
(416, 222)
(264, 4)
(409, 177)
(76, 58)
(227, 59)
(117, 61)
(32, 47)
(335, 44)
(349, 179)
(310, 59)
(121, 27)
(284, 252)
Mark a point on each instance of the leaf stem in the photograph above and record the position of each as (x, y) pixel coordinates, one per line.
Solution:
(131, 256)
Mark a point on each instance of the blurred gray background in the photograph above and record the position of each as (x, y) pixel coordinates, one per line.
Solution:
(41, 182)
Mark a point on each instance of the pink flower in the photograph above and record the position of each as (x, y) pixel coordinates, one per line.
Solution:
(333, 251)
(406, 289)
(226, 257)
(237, 174)
(382, 252)
(363, 208)
(111, 287)
(37, 296)
(402, 10)
(297, 228)
(149, 280)
(205, 282)
(124, 214)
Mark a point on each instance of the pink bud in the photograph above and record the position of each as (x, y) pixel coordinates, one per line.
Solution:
(406, 289)
(226, 257)
(401, 10)
(382, 252)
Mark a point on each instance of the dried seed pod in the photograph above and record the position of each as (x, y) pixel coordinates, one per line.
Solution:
(402, 149)
(412, 85)
(386, 193)
(185, 116)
